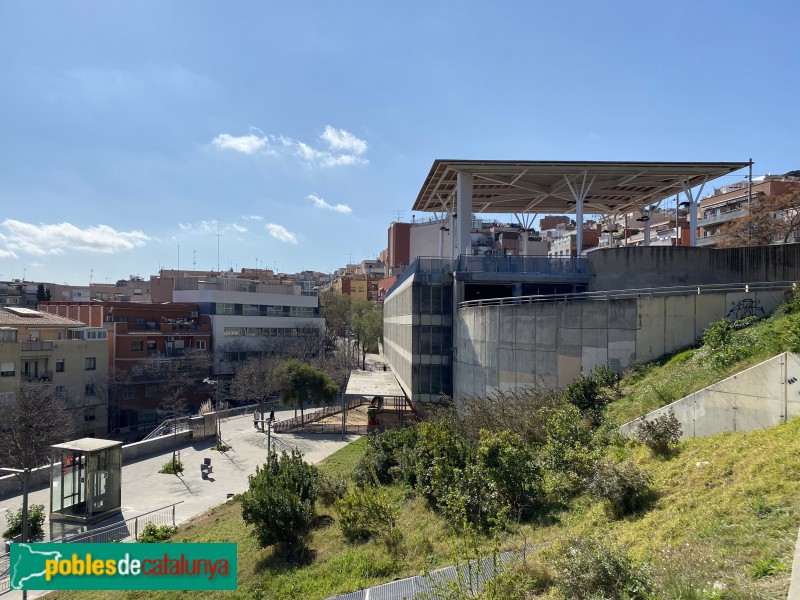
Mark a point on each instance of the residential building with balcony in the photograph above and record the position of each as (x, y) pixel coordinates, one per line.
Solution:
(146, 343)
(731, 202)
(65, 354)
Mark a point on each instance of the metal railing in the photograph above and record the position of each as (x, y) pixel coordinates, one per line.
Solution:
(304, 421)
(685, 290)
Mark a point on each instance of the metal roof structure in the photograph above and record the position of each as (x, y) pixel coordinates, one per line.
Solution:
(544, 187)
(373, 383)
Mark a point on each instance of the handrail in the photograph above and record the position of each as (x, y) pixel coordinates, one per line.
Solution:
(634, 293)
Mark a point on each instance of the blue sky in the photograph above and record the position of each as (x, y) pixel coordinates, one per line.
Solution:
(299, 129)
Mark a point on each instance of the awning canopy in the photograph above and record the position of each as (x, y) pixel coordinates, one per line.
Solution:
(550, 187)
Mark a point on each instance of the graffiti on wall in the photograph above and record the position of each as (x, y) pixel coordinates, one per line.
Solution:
(746, 307)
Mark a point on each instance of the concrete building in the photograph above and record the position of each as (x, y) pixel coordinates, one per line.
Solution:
(566, 244)
(250, 318)
(436, 342)
(64, 353)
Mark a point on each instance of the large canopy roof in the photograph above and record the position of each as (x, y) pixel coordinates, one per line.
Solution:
(550, 187)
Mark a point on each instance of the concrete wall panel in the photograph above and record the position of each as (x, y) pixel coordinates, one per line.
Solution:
(650, 333)
(569, 367)
(594, 315)
(678, 322)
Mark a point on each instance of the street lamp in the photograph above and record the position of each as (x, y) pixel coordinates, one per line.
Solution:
(25, 479)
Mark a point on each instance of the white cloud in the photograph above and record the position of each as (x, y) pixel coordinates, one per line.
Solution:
(246, 144)
(344, 141)
(7, 254)
(343, 148)
(213, 227)
(279, 232)
(185, 226)
(58, 238)
(238, 228)
(252, 217)
(320, 203)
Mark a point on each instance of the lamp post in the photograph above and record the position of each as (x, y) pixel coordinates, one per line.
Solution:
(25, 474)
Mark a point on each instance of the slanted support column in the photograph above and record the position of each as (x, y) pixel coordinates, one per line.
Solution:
(464, 208)
(579, 193)
(693, 200)
(578, 226)
(647, 229)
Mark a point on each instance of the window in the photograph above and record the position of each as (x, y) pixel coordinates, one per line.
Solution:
(136, 370)
(91, 363)
(7, 369)
(137, 346)
(223, 308)
(89, 389)
(60, 366)
(150, 391)
(60, 391)
(128, 394)
(201, 344)
(88, 414)
(151, 347)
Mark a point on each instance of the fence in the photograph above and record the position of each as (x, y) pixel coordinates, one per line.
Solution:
(303, 422)
(124, 531)
(636, 293)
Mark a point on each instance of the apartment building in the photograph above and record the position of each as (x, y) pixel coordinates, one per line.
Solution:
(147, 343)
(70, 357)
(732, 202)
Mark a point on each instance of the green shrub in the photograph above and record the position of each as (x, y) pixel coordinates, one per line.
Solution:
(568, 454)
(330, 488)
(586, 568)
(172, 467)
(607, 378)
(470, 497)
(586, 392)
(36, 516)
(624, 486)
(365, 513)
(728, 344)
(513, 469)
(661, 434)
(279, 501)
(385, 451)
(440, 455)
(153, 533)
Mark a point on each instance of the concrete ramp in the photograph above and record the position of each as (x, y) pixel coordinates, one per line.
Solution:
(759, 397)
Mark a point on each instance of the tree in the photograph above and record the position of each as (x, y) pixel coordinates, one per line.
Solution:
(367, 324)
(769, 220)
(33, 420)
(42, 293)
(279, 502)
(257, 379)
(300, 382)
(335, 308)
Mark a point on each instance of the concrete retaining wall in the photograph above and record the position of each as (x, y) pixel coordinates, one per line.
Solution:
(503, 347)
(759, 397)
(667, 266)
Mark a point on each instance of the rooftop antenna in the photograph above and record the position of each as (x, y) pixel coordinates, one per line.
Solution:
(91, 274)
(194, 260)
(179, 257)
(217, 242)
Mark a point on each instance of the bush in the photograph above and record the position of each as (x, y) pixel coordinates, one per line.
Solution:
(279, 501)
(385, 451)
(623, 485)
(172, 467)
(568, 455)
(153, 533)
(512, 468)
(589, 569)
(468, 496)
(36, 517)
(607, 378)
(365, 513)
(330, 488)
(661, 435)
(727, 347)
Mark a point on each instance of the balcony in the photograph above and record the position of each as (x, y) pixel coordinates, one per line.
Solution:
(36, 346)
(40, 376)
(721, 218)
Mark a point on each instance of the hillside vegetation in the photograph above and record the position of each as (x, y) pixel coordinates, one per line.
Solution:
(597, 516)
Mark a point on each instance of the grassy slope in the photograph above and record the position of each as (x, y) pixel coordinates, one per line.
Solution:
(724, 503)
(676, 376)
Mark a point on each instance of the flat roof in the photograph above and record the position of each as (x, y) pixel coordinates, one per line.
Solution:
(543, 187)
(373, 383)
(87, 445)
